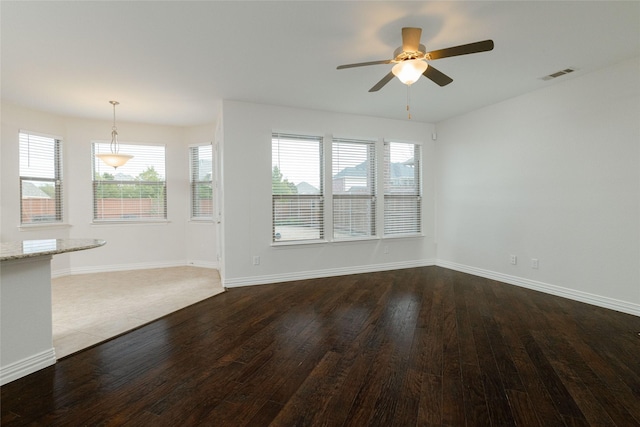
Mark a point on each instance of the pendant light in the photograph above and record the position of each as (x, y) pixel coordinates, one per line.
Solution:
(114, 158)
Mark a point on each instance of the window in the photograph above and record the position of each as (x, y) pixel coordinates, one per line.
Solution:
(201, 160)
(402, 201)
(40, 179)
(298, 204)
(353, 177)
(133, 192)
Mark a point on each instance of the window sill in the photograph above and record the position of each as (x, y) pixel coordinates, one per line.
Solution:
(357, 240)
(207, 221)
(129, 223)
(299, 243)
(45, 226)
(347, 241)
(404, 236)
(323, 241)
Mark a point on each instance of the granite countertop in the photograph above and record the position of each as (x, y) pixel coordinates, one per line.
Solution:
(34, 248)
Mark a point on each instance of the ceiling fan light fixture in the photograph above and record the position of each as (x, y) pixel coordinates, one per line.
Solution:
(409, 71)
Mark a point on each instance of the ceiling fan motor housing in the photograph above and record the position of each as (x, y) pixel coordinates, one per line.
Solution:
(401, 55)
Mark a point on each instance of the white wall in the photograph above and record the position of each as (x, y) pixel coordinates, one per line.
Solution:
(552, 175)
(247, 197)
(176, 242)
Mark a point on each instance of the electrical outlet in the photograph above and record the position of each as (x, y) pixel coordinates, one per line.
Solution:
(513, 259)
(256, 260)
(535, 263)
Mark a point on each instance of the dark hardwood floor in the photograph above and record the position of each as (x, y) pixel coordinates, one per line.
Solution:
(424, 346)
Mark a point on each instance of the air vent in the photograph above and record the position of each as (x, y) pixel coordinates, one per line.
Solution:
(559, 73)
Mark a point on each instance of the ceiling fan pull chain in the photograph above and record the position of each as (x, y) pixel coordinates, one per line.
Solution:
(408, 111)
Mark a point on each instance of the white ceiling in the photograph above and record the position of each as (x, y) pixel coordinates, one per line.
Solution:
(172, 62)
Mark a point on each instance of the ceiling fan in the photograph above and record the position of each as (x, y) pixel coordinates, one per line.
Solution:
(412, 57)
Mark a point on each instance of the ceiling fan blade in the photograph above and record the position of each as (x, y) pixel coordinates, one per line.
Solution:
(411, 39)
(464, 49)
(436, 76)
(362, 64)
(386, 79)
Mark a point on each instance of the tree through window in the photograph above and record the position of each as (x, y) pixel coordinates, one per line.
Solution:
(296, 188)
(133, 192)
(201, 167)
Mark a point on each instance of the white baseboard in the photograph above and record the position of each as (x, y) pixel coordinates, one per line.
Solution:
(204, 264)
(27, 366)
(136, 266)
(315, 274)
(598, 300)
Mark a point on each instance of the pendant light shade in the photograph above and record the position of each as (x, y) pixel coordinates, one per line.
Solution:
(114, 158)
(409, 71)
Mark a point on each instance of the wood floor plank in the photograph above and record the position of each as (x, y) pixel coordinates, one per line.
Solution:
(423, 346)
(434, 344)
(452, 388)
(374, 403)
(388, 405)
(495, 394)
(566, 365)
(476, 408)
(313, 396)
(408, 399)
(265, 415)
(523, 411)
(611, 388)
(562, 399)
(430, 410)
(536, 389)
(342, 400)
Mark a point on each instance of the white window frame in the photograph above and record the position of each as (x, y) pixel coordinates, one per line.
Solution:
(351, 223)
(195, 183)
(98, 166)
(312, 204)
(395, 213)
(407, 200)
(24, 137)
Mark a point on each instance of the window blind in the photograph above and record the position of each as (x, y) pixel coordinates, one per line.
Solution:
(133, 192)
(353, 182)
(402, 189)
(40, 179)
(297, 192)
(201, 166)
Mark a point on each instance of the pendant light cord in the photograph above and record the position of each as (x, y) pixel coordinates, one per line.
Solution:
(114, 131)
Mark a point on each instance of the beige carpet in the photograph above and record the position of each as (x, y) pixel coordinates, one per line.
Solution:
(90, 308)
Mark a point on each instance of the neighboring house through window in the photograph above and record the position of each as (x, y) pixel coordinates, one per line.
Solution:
(298, 196)
(297, 190)
(353, 167)
(40, 178)
(402, 189)
(134, 192)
